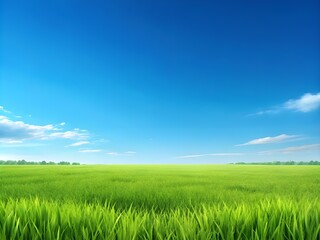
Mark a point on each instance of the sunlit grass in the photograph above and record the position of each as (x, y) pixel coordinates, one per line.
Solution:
(160, 202)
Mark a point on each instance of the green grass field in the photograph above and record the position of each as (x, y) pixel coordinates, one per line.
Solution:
(160, 202)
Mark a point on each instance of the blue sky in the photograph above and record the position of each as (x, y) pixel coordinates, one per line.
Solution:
(160, 81)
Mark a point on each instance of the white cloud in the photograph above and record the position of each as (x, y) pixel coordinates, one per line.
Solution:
(90, 150)
(62, 124)
(76, 144)
(294, 149)
(20, 131)
(268, 140)
(306, 103)
(210, 154)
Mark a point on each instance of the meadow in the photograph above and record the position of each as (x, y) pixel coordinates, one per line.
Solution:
(160, 202)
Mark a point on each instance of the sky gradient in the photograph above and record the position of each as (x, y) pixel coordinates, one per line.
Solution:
(160, 81)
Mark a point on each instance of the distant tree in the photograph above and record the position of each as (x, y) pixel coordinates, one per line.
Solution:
(64, 163)
(11, 162)
(280, 163)
(22, 162)
(289, 163)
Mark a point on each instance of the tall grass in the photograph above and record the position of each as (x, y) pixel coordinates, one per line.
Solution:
(161, 186)
(43, 219)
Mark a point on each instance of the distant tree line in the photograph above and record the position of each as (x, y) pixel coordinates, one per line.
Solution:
(24, 162)
(279, 163)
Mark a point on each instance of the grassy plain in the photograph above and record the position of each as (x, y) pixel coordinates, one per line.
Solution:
(160, 202)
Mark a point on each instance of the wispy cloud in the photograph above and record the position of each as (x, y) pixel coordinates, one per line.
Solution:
(21, 144)
(128, 153)
(272, 110)
(74, 134)
(294, 149)
(306, 103)
(90, 150)
(13, 142)
(76, 144)
(210, 154)
(11, 130)
(300, 148)
(4, 110)
(113, 153)
(268, 140)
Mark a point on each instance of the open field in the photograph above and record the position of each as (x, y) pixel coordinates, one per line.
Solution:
(160, 202)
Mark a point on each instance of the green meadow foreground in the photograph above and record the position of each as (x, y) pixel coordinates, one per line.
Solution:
(160, 202)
